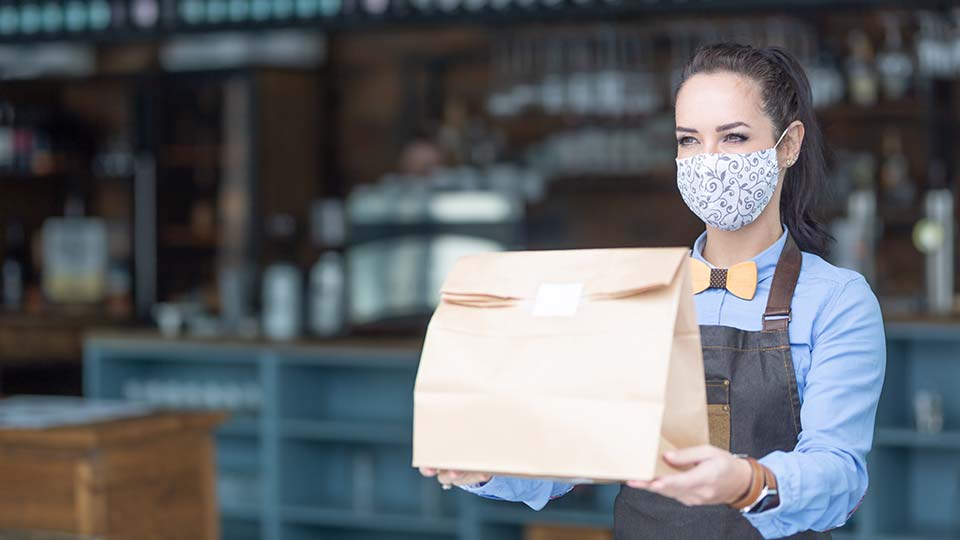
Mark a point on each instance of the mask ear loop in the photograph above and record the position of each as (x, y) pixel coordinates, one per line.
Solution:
(782, 135)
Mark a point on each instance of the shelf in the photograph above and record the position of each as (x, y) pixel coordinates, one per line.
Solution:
(364, 432)
(247, 427)
(926, 330)
(306, 515)
(906, 110)
(240, 512)
(362, 233)
(906, 437)
(653, 181)
(519, 514)
(920, 535)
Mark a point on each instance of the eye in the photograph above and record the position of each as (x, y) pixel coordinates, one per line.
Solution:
(686, 140)
(735, 138)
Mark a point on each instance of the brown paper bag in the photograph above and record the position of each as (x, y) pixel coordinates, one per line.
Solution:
(581, 365)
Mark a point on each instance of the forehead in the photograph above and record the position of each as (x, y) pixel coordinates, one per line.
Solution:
(713, 99)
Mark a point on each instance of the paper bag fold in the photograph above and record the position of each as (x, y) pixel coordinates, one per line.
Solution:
(593, 391)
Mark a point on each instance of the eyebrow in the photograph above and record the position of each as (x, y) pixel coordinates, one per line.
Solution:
(727, 127)
(724, 127)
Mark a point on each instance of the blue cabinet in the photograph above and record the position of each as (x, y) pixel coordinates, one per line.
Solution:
(319, 446)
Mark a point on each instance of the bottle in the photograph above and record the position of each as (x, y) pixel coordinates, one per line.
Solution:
(934, 236)
(118, 13)
(282, 284)
(22, 141)
(327, 290)
(30, 17)
(52, 17)
(217, 11)
(893, 63)
(327, 295)
(75, 17)
(330, 8)
(239, 10)
(898, 189)
(856, 243)
(9, 18)
(14, 266)
(938, 207)
(6, 138)
(100, 14)
(860, 73)
(376, 7)
(307, 9)
(146, 13)
(283, 9)
(191, 11)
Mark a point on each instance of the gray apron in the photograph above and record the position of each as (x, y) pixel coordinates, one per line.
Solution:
(753, 408)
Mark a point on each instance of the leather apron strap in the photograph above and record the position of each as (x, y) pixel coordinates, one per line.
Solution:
(777, 315)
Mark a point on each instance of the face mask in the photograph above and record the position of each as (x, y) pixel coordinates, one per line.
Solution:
(728, 191)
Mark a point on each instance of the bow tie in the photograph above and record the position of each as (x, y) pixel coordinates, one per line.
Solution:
(740, 280)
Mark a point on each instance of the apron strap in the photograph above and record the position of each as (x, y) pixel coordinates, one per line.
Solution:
(777, 315)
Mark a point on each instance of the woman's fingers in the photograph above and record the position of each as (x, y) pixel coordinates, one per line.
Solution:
(460, 478)
(452, 477)
(680, 483)
(688, 457)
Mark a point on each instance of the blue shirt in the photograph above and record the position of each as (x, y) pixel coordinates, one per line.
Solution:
(839, 356)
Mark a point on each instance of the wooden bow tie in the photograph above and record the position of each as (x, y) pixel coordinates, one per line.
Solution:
(740, 280)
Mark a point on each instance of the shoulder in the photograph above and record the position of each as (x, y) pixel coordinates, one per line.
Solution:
(836, 293)
(817, 271)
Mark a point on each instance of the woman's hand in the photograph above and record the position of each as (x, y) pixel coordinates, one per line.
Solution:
(712, 476)
(457, 478)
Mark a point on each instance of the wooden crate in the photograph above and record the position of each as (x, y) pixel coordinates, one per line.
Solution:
(148, 478)
(554, 532)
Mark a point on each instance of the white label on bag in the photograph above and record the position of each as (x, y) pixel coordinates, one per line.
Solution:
(557, 299)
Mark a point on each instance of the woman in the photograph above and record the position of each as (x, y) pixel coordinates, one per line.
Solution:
(800, 344)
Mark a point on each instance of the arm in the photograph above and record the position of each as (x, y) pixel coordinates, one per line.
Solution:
(534, 493)
(823, 479)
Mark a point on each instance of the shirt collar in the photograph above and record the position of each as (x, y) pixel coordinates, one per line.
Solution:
(766, 260)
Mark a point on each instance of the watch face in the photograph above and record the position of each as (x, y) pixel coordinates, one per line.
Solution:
(767, 502)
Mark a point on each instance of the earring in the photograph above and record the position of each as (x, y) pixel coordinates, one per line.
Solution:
(790, 162)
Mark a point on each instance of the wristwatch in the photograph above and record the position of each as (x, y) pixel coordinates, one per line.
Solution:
(769, 495)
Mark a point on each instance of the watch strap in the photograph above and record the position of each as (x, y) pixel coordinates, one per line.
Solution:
(757, 482)
(771, 493)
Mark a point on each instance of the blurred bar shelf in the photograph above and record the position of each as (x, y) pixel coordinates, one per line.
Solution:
(240, 512)
(369, 521)
(114, 24)
(240, 427)
(330, 445)
(508, 231)
(515, 514)
(944, 535)
(370, 432)
(934, 329)
(907, 437)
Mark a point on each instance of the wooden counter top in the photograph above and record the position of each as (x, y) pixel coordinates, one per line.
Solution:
(110, 432)
(150, 339)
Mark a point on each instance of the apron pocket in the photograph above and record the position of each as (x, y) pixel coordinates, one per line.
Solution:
(718, 412)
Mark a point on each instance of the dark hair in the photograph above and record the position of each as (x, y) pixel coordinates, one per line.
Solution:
(786, 96)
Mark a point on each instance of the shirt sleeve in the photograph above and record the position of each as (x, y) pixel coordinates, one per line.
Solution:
(822, 481)
(532, 492)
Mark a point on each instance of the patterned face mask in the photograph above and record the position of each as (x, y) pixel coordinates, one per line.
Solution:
(729, 191)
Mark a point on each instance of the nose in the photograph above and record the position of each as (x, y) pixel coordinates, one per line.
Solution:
(711, 146)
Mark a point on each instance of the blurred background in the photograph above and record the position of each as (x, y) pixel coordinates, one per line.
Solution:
(249, 206)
